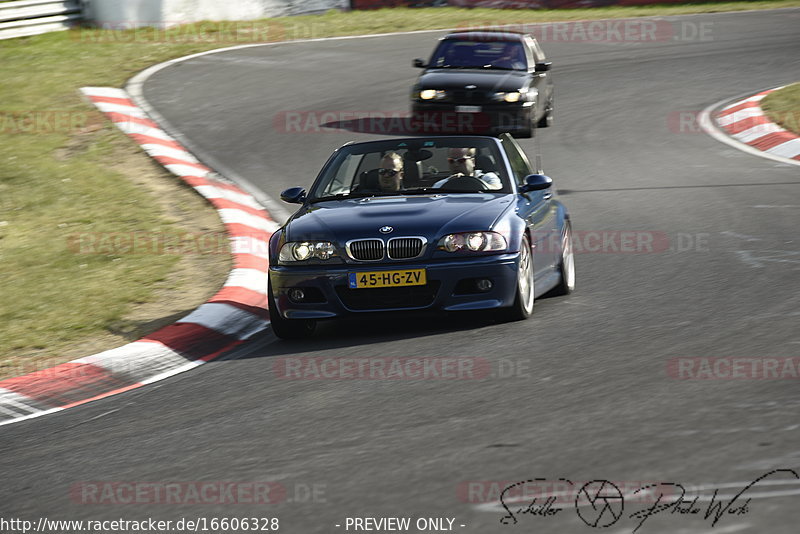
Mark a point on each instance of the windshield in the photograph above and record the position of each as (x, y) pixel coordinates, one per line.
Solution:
(413, 167)
(504, 55)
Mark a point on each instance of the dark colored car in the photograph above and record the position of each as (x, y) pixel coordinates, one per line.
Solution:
(442, 242)
(484, 82)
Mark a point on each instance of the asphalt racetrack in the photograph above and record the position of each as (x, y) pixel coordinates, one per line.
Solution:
(590, 388)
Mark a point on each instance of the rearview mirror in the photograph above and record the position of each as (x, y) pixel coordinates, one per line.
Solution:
(536, 182)
(418, 155)
(542, 67)
(420, 63)
(294, 195)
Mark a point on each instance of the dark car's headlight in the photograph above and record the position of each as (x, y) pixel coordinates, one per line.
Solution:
(510, 96)
(432, 94)
(306, 250)
(473, 242)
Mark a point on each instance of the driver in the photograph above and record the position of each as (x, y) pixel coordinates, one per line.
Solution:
(462, 163)
(390, 173)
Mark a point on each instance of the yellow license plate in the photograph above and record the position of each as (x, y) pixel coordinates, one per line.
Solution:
(408, 277)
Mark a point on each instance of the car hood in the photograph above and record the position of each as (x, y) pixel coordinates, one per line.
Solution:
(427, 216)
(483, 80)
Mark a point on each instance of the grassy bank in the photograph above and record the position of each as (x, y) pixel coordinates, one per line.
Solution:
(66, 177)
(783, 107)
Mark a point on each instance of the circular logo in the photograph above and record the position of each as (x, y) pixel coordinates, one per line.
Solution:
(599, 503)
(386, 229)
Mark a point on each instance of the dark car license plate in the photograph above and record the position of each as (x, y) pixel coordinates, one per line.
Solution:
(407, 277)
(468, 109)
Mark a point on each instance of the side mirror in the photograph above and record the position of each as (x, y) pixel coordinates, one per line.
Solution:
(420, 63)
(542, 67)
(536, 182)
(294, 195)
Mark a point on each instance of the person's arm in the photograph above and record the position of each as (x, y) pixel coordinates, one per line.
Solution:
(491, 180)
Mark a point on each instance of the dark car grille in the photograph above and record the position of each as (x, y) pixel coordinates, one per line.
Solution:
(387, 298)
(401, 248)
(469, 97)
(366, 250)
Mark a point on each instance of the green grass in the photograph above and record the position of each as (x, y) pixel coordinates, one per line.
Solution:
(783, 107)
(56, 182)
(53, 296)
(337, 23)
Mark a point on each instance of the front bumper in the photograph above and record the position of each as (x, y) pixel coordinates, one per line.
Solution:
(442, 117)
(450, 287)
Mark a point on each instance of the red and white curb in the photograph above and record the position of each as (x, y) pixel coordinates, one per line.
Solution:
(744, 121)
(236, 313)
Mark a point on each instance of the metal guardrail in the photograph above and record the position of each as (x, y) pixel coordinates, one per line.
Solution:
(32, 17)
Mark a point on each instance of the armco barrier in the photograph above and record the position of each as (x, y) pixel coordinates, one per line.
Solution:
(117, 14)
(506, 4)
(32, 17)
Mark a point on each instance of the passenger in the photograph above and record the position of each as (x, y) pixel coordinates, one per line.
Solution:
(462, 163)
(512, 58)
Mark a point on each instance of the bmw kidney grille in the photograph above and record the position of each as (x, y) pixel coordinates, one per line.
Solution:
(399, 248)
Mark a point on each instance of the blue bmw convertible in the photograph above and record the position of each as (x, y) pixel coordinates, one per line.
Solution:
(427, 223)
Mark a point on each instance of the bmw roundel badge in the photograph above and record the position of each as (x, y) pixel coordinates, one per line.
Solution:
(386, 229)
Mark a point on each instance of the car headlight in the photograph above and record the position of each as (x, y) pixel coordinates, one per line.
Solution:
(473, 242)
(510, 96)
(306, 250)
(431, 94)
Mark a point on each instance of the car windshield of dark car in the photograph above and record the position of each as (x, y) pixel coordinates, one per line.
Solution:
(503, 55)
(422, 166)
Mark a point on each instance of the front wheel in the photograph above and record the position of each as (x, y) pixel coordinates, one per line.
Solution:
(566, 266)
(523, 302)
(547, 119)
(287, 328)
(527, 132)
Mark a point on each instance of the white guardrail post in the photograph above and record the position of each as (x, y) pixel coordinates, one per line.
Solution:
(32, 17)
(20, 18)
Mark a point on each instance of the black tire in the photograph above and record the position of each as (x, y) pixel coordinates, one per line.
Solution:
(566, 266)
(288, 328)
(547, 119)
(527, 133)
(523, 302)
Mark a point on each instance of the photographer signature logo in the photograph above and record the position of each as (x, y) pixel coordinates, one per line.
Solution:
(605, 503)
(601, 503)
